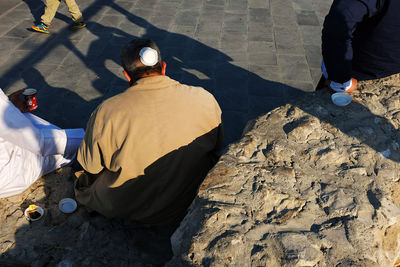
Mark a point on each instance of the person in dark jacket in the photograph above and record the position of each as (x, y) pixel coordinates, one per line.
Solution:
(360, 41)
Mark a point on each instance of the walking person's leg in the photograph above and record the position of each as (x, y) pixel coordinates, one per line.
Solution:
(50, 11)
(75, 14)
(47, 17)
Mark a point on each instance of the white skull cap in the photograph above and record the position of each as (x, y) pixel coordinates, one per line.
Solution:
(148, 56)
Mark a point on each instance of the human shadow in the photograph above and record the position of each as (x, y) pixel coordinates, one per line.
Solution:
(102, 58)
(68, 106)
(36, 8)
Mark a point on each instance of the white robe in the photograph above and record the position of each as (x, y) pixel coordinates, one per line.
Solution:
(31, 147)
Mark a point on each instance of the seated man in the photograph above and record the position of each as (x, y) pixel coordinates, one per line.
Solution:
(360, 41)
(147, 150)
(30, 147)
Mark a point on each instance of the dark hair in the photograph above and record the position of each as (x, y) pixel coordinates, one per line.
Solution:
(130, 57)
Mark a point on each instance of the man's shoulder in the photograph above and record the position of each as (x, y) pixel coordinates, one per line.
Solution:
(108, 103)
(195, 91)
(111, 104)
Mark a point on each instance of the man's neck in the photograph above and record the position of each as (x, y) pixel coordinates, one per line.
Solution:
(131, 83)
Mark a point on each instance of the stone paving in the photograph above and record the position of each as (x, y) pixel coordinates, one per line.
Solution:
(253, 55)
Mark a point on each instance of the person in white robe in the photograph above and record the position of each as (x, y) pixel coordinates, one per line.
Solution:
(31, 147)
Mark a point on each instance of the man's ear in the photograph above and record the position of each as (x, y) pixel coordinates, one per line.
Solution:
(127, 75)
(164, 66)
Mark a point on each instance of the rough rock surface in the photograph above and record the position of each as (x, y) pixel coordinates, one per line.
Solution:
(77, 239)
(309, 184)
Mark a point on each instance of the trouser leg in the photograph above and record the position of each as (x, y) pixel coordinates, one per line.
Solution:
(50, 11)
(74, 10)
(52, 162)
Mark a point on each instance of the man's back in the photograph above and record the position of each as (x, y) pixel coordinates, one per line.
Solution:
(156, 142)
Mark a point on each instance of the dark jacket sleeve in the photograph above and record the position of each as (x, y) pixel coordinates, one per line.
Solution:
(337, 34)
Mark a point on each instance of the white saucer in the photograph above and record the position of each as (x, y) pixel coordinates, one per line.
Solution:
(67, 205)
(341, 99)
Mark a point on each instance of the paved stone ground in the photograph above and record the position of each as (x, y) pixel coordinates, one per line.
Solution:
(253, 55)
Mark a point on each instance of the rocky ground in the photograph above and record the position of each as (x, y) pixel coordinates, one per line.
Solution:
(309, 184)
(77, 239)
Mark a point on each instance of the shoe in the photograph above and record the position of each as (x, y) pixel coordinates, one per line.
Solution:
(40, 28)
(353, 86)
(341, 87)
(77, 26)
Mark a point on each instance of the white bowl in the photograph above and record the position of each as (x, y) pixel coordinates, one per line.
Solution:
(67, 205)
(341, 99)
(38, 209)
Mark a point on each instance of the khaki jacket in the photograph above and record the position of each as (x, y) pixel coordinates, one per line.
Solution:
(146, 151)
